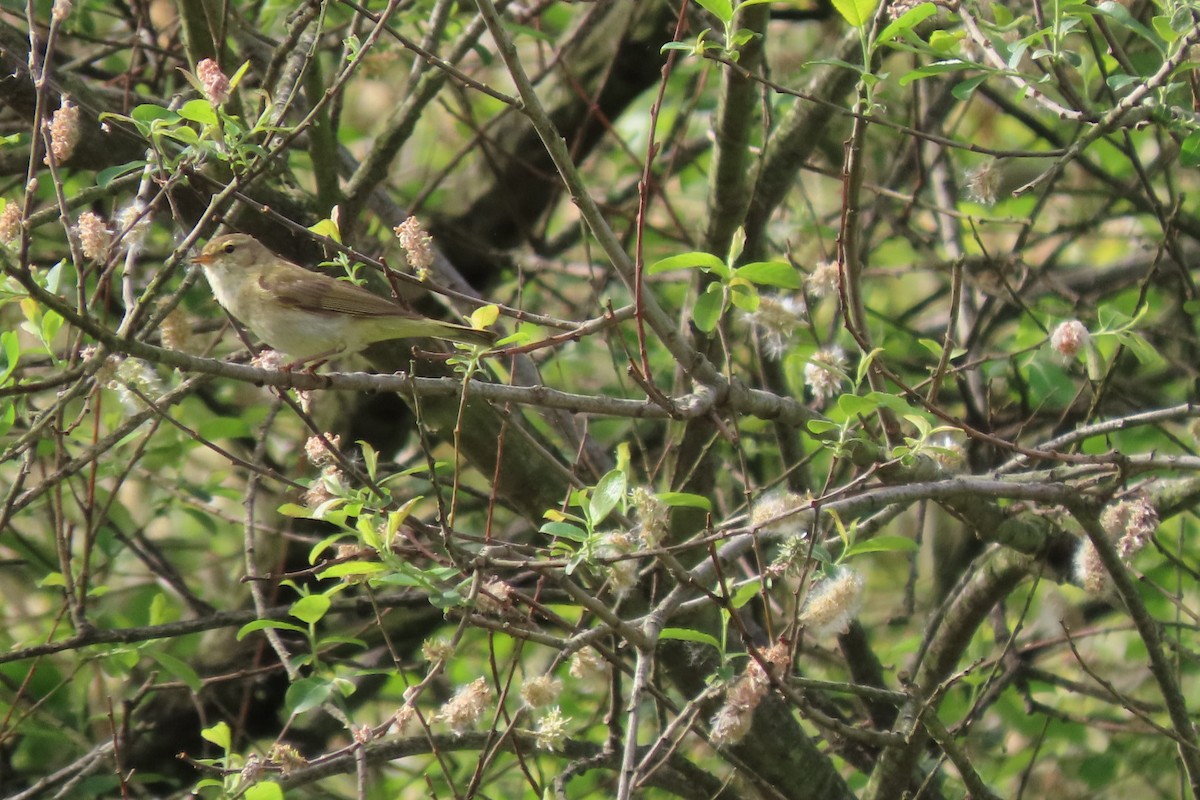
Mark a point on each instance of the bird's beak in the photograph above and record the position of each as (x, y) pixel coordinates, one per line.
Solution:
(202, 258)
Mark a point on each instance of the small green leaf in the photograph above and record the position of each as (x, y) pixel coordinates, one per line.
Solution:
(779, 274)
(109, 174)
(1094, 361)
(396, 518)
(609, 491)
(936, 68)
(219, 735)
(160, 611)
(906, 21)
(236, 78)
(1162, 26)
(328, 228)
(51, 323)
(743, 295)
(857, 12)
(819, 426)
(721, 9)
(323, 545)
(564, 530)
(307, 694)
(148, 112)
(179, 669)
(264, 790)
(890, 543)
(484, 316)
(1189, 151)
(964, 89)
(1120, 14)
(696, 260)
(370, 457)
(52, 579)
(293, 510)
(10, 344)
(263, 624)
(8, 416)
(1140, 347)
(688, 635)
(199, 111)
(744, 594)
(685, 500)
(736, 245)
(708, 308)
(354, 568)
(310, 609)
(854, 406)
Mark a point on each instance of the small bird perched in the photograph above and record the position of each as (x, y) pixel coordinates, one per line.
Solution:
(308, 315)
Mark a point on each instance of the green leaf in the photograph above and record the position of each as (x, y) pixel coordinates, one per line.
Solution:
(695, 260)
(294, 510)
(721, 9)
(353, 568)
(857, 12)
(685, 500)
(854, 406)
(179, 669)
(906, 21)
(743, 295)
(609, 491)
(109, 174)
(236, 78)
(779, 274)
(263, 624)
(264, 790)
(819, 426)
(328, 228)
(307, 694)
(1189, 151)
(889, 543)
(936, 68)
(736, 245)
(310, 609)
(51, 323)
(396, 518)
(1120, 14)
(709, 306)
(11, 347)
(199, 111)
(52, 579)
(744, 594)
(1162, 26)
(160, 610)
(564, 530)
(219, 735)
(484, 316)
(8, 416)
(370, 457)
(688, 635)
(964, 89)
(148, 112)
(1140, 347)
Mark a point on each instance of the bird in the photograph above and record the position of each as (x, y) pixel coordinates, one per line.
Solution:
(307, 315)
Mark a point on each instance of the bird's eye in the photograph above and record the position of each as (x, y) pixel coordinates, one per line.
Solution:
(229, 248)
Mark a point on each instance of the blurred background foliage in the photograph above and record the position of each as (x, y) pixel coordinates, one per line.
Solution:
(839, 444)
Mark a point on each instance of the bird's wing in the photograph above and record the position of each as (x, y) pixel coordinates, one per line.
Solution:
(321, 294)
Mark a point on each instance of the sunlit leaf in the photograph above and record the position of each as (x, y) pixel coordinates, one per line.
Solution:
(688, 635)
(857, 12)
